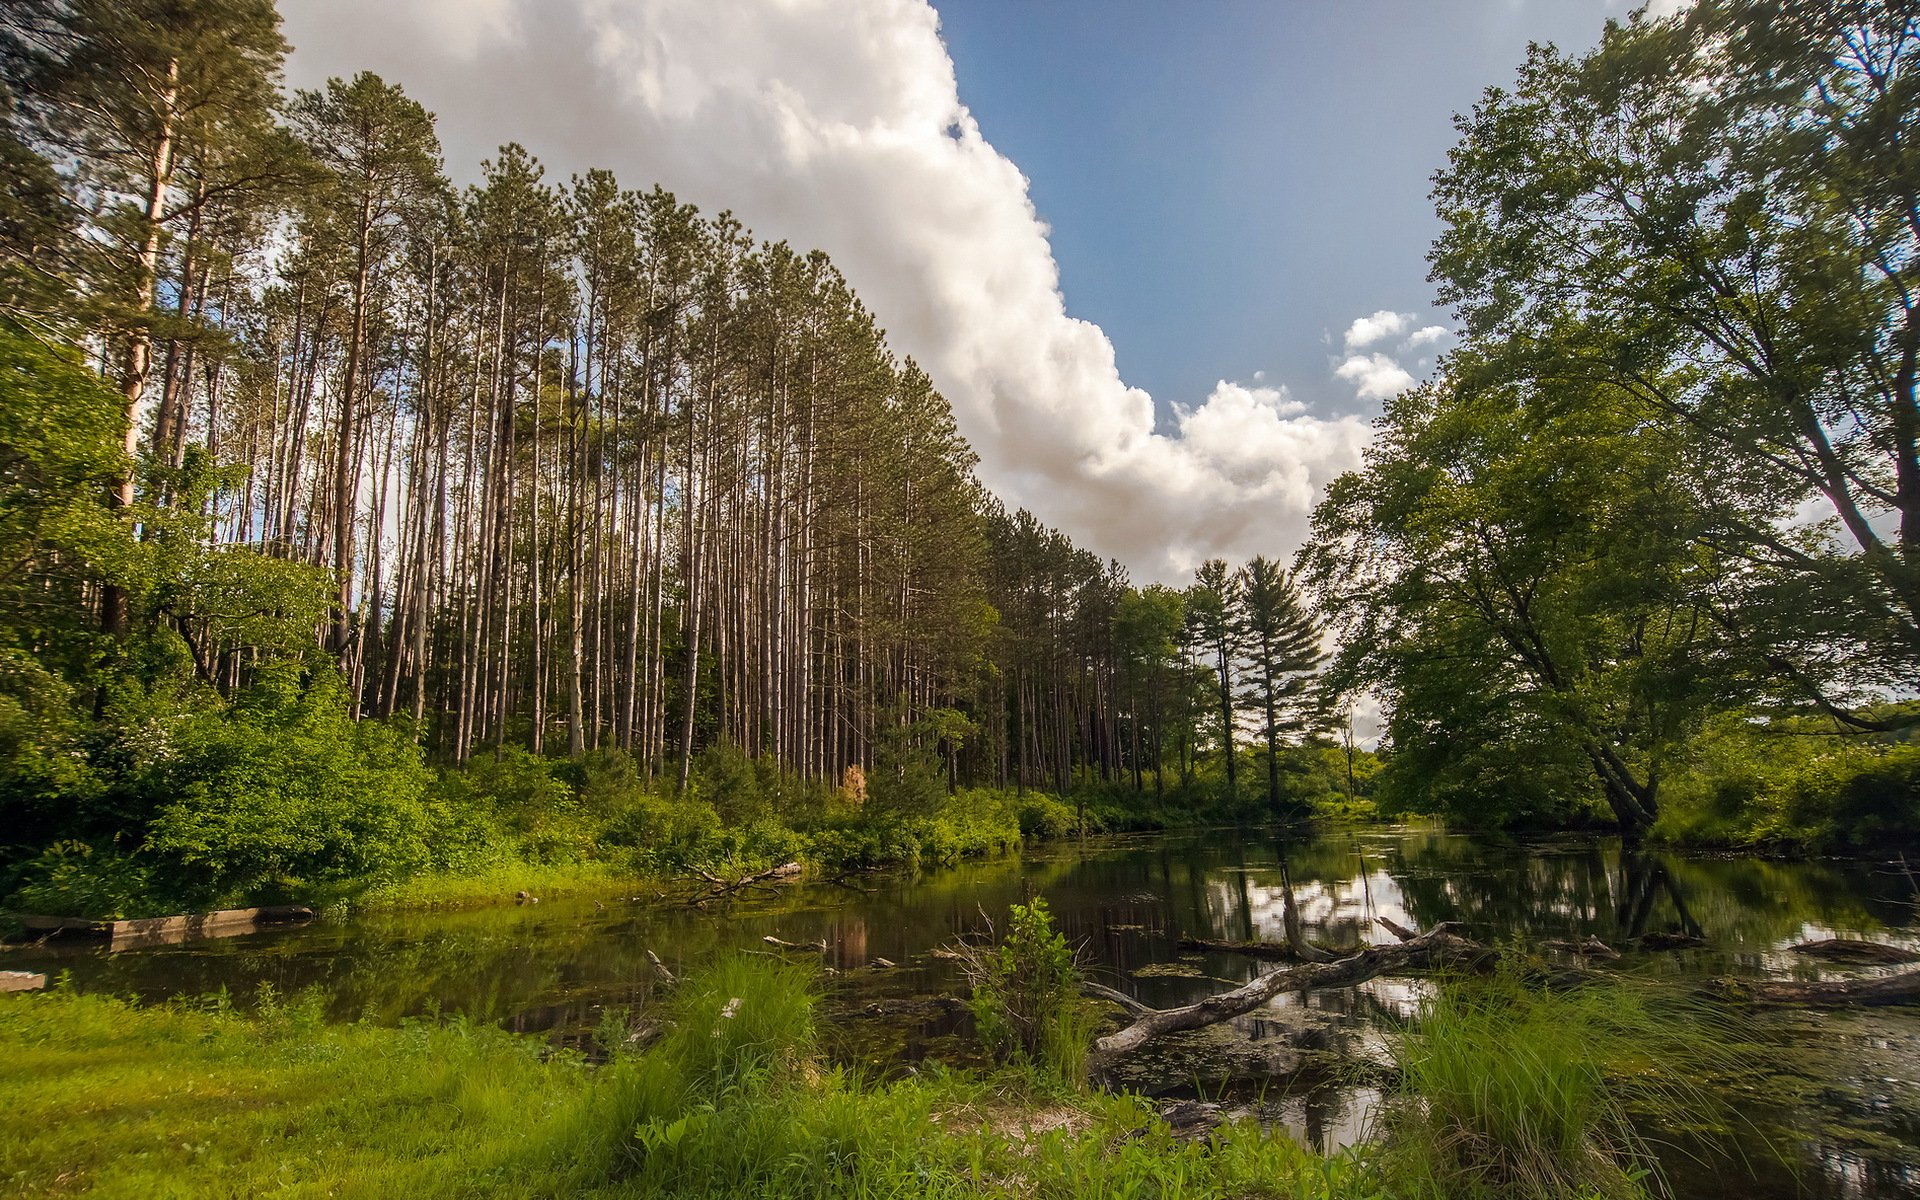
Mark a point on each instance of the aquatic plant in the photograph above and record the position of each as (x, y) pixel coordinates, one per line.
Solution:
(1026, 994)
(1512, 1089)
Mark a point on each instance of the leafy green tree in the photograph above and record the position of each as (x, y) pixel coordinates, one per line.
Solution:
(1520, 584)
(1710, 220)
(1281, 656)
(128, 92)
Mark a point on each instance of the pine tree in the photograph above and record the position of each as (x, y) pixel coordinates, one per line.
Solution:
(1280, 645)
(1211, 604)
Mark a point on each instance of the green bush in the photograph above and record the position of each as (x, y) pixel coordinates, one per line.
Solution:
(1026, 995)
(1791, 785)
(280, 789)
(76, 879)
(1044, 816)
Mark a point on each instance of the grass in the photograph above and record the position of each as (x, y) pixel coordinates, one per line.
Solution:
(109, 1099)
(1511, 1090)
(500, 884)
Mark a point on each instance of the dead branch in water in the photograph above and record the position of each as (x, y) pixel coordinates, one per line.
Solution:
(1441, 944)
(1877, 992)
(727, 889)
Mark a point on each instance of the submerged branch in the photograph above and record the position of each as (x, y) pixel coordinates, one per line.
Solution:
(1440, 944)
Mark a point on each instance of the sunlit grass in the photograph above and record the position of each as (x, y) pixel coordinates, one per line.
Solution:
(500, 884)
(1513, 1090)
(109, 1099)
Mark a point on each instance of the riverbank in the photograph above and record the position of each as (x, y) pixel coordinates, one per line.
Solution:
(113, 1100)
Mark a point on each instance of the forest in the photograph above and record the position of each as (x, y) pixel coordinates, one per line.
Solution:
(339, 497)
(360, 525)
(392, 551)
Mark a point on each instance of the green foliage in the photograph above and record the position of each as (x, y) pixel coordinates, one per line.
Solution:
(1026, 1000)
(1537, 657)
(1512, 1091)
(1044, 817)
(280, 791)
(1796, 784)
(1707, 222)
(78, 878)
(60, 446)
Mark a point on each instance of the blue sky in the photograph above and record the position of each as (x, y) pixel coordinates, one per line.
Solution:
(1229, 184)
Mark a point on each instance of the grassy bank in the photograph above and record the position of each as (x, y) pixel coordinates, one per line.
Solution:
(113, 1100)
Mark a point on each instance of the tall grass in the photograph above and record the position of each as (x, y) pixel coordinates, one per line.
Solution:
(118, 1100)
(1513, 1090)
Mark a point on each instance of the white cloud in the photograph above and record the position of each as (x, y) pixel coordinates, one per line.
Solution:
(1425, 337)
(1374, 376)
(1365, 331)
(838, 124)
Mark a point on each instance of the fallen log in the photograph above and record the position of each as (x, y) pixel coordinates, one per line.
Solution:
(1669, 941)
(1852, 950)
(1440, 944)
(726, 889)
(1877, 992)
(1276, 950)
(819, 947)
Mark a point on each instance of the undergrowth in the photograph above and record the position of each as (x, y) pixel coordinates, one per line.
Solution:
(1512, 1090)
(111, 1099)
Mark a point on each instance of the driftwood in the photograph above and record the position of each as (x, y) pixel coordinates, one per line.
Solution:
(1592, 947)
(1669, 941)
(1443, 945)
(1440, 944)
(1876, 992)
(819, 947)
(727, 889)
(1849, 950)
(660, 971)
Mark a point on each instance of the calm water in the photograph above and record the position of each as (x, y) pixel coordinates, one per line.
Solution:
(1834, 1102)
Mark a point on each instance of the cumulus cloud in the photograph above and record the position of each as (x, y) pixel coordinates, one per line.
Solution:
(837, 124)
(1425, 337)
(1374, 376)
(1365, 331)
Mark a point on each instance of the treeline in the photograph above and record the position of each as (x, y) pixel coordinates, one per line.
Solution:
(307, 448)
(584, 467)
(1652, 537)
(1094, 682)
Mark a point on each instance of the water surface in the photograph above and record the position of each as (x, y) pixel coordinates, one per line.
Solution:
(1833, 1100)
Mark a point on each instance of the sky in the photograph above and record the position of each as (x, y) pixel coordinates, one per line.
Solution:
(1166, 260)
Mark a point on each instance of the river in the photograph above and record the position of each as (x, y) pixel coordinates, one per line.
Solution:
(1830, 1108)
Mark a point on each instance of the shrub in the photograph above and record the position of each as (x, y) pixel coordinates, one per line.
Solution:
(1044, 816)
(1026, 1002)
(76, 879)
(1789, 784)
(281, 789)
